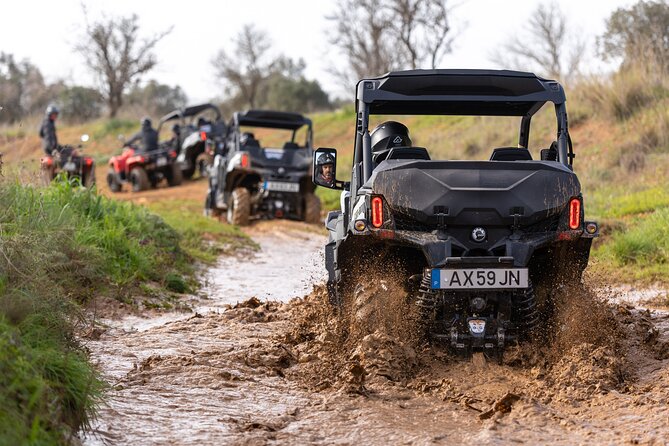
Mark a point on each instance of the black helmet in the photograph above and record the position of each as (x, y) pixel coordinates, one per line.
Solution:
(146, 121)
(51, 109)
(325, 158)
(390, 134)
(176, 128)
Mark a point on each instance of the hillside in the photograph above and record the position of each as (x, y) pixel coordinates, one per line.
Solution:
(620, 132)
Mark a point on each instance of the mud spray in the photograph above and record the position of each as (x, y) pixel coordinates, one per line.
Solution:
(302, 373)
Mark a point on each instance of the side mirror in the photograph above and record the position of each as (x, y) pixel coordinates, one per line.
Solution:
(325, 168)
(84, 138)
(120, 137)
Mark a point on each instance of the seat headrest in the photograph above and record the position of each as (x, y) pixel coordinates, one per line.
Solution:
(510, 154)
(401, 153)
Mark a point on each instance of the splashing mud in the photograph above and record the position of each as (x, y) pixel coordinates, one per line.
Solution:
(298, 372)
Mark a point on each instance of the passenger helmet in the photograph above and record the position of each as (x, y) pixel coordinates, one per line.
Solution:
(390, 134)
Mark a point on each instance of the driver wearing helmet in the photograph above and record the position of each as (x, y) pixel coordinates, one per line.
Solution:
(325, 169)
(147, 135)
(47, 130)
(387, 135)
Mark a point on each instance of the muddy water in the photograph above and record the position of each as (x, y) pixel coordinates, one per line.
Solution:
(236, 377)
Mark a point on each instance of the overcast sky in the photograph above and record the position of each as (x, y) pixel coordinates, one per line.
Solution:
(45, 32)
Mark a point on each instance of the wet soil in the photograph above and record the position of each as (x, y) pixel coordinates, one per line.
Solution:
(258, 364)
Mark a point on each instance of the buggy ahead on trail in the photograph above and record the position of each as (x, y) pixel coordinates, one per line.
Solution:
(478, 243)
(197, 132)
(264, 169)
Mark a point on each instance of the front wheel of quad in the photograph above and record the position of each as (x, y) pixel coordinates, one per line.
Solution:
(89, 177)
(239, 208)
(312, 208)
(139, 179)
(47, 174)
(210, 209)
(174, 176)
(112, 181)
(203, 162)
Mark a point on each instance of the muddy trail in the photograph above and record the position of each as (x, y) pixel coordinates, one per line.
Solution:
(257, 363)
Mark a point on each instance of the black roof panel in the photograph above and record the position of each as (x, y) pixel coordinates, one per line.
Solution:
(271, 119)
(458, 92)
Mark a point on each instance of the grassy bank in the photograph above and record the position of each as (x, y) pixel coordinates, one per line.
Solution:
(59, 247)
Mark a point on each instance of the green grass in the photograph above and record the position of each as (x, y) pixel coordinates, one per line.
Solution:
(114, 127)
(59, 247)
(329, 198)
(617, 203)
(640, 252)
(202, 238)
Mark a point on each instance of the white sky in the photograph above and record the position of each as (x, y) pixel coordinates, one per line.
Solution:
(45, 31)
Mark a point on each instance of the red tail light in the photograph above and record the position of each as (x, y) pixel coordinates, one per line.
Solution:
(173, 153)
(377, 212)
(203, 136)
(89, 162)
(245, 161)
(574, 213)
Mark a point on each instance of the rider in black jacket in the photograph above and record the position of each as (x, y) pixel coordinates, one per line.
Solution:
(148, 135)
(47, 130)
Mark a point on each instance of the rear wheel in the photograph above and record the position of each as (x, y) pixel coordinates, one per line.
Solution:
(525, 312)
(139, 179)
(312, 208)
(239, 208)
(174, 176)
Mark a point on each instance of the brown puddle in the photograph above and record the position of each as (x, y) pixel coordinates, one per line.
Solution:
(294, 373)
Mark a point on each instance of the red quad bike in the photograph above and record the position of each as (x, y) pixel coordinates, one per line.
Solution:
(143, 170)
(69, 159)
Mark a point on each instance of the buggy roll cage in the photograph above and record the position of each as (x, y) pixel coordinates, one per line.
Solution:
(458, 92)
(186, 112)
(274, 120)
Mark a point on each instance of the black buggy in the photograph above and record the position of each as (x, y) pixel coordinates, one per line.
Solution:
(476, 241)
(196, 133)
(268, 179)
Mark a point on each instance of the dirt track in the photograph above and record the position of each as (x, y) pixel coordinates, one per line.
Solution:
(279, 373)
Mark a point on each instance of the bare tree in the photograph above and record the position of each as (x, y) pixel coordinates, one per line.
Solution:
(118, 56)
(362, 35)
(250, 65)
(376, 36)
(422, 29)
(546, 47)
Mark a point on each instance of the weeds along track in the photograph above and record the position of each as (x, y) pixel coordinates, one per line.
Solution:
(260, 371)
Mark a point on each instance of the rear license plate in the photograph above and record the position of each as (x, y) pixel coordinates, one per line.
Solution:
(462, 279)
(162, 161)
(70, 166)
(282, 186)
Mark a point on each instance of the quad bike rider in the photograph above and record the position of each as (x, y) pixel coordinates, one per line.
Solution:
(481, 245)
(67, 158)
(195, 137)
(251, 179)
(143, 165)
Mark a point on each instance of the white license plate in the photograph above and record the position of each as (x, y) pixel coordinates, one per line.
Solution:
(281, 186)
(160, 162)
(70, 166)
(479, 278)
